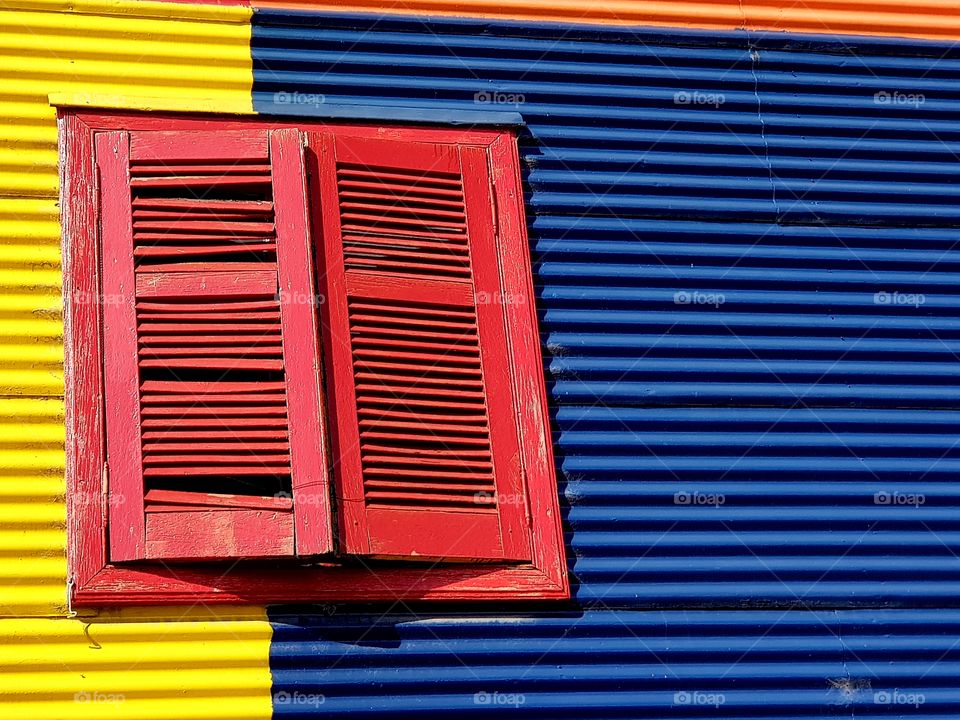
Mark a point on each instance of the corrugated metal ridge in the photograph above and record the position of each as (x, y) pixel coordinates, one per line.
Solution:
(931, 19)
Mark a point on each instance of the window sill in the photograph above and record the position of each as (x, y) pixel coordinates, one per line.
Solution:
(116, 586)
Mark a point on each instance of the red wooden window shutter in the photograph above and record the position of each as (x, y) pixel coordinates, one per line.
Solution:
(427, 443)
(214, 428)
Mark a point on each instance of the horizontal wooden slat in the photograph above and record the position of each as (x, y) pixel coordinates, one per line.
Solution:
(398, 391)
(215, 364)
(226, 470)
(376, 221)
(277, 409)
(389, 207)
(427, 383)
(217, 180)
(426, 405)
(222, 533)
(412, 436)
(271, 459)
(189, 398)
(157, 449)
(263, 207)
(179, 327)
(168, 500)
(424, 426)
(261, 282)
(409, 240)
(182, 435)
(400, 289)
(424, 486)
(220, 386)
(194, 225)
(403, 496)
(146, 237)
(434, 315)
(393, 192)
(168, 147)
(412, 232)
(170, 251)
(423, 451)
(213, 269)
(451, 335)
(232, 305)
(229, 423)
(387, 252)
(189, 171)
(403, 464)
(348, 175)
(437, 368)
(419, 269)
(254, 315)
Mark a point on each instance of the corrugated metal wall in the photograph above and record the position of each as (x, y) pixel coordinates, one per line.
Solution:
(746, 261)
(178, 663)
(750, 298)
(122, 52)
(622, 664)
(745, 255)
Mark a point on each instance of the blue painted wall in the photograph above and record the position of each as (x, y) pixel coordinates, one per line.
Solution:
(748, 271)
(621, 664)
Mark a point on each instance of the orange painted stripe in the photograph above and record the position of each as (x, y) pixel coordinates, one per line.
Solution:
(925, 19)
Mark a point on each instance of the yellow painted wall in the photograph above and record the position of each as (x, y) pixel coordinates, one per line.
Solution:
(193, 56)
(176, 663)
(188, 664)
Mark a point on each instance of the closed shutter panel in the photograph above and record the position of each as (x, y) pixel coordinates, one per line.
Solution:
(214, 427)
(427, 441)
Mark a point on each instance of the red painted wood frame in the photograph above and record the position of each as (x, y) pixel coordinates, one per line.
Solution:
(97, 582)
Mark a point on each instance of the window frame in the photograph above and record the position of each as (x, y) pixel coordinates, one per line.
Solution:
(94, 581)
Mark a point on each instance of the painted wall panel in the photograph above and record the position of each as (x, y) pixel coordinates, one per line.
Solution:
(746, 269)
(32, 540)
(620, 664)
(748, 409)
(178, 663)
(115, 51)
